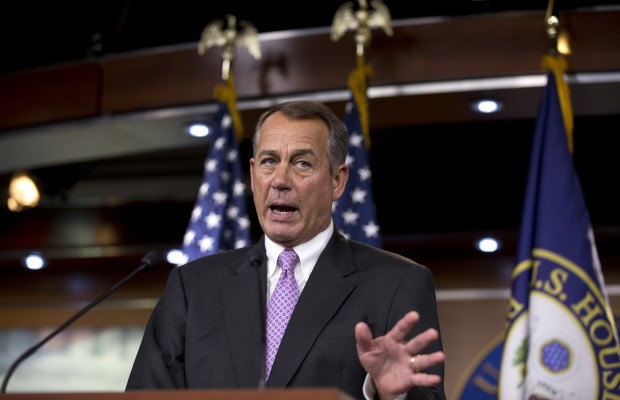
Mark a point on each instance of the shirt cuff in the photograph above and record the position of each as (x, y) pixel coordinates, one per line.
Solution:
(370, 391)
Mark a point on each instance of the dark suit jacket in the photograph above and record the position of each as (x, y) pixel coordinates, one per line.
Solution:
(207, 328)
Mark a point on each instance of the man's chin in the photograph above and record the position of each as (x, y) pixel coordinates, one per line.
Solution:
(283, 234)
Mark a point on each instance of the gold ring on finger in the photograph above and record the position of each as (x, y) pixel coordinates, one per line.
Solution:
(412, 363)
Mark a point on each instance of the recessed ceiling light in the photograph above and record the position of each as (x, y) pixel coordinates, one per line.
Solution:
(198, 129)
(488, 245)
(487, 106)
(34, 261)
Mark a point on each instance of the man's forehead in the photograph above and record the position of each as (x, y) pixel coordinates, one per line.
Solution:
(293, 135)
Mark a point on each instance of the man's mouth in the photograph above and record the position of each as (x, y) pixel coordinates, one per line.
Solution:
(280, 209)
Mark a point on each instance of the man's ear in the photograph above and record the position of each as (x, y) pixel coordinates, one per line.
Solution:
(340, 181)
(252, 174)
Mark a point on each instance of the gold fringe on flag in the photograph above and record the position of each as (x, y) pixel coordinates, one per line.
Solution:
(227, 94)
(558, 66)
(357, 82)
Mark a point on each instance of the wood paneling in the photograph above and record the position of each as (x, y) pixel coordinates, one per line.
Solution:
(419, 51)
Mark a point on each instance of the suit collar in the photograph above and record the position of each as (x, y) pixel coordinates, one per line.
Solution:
(243, 300)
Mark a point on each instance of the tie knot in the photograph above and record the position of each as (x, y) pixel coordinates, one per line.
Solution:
(288, 259)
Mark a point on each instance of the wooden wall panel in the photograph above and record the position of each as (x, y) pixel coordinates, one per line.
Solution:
(419, 51)
(50, 95)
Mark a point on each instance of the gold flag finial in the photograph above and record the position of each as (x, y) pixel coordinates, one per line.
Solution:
(228, 94)
(215, 34)
(362, 20)
(553, 28)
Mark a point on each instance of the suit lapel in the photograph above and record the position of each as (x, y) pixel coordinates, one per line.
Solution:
(326, 289)
(243, 300)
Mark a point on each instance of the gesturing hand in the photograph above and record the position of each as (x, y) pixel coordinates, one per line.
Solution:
(394, 363)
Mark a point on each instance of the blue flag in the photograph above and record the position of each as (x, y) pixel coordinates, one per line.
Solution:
(560, 341)
(219, 220)
(354, 212)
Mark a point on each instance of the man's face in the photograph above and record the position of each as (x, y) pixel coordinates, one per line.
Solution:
(291, 183)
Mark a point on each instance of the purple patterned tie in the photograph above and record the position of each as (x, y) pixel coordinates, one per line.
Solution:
(281, 305)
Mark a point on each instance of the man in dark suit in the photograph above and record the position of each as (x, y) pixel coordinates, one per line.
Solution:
(365, 320)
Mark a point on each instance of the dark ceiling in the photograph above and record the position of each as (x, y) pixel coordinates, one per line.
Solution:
(437, 178)
(44, 33)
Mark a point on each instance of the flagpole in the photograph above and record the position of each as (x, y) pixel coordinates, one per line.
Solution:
(219, 220)
(362, 21)
(555, 62)
(354, 213)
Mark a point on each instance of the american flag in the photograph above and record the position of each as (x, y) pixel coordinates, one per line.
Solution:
(219, 220)
(354, 213)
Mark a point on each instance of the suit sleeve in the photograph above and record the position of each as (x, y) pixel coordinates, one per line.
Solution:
(160, 361)
(418, 292)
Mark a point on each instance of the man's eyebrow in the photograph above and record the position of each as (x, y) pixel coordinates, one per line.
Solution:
(296, 153)
(267, 153)
(303, 152)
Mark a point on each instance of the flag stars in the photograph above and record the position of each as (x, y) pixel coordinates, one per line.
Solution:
(349, 160)
(213, 220)
(206, 243)
(232, 155)
(203, 190)
(189, 236)
(364, 173)
(371, 230)
(358, 195)
(232, 212)
(220, 197)
(226, 121)
(211, 165)
(356, 140)
(238, 188)
(220, 143)
(216, 225)
(354, 212)
(350, 217)
(348, 108)
(244, 222)
(196, 213)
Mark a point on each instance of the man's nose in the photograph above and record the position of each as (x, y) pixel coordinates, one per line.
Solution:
(281, 177)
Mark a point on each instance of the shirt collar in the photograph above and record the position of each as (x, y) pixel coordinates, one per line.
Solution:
(308, 252)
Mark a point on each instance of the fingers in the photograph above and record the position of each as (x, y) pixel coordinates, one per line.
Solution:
(422, 379)
(403, 326)
(421, 341)
(394, 361)
(420, 362)
(363, 337)
(398, 334)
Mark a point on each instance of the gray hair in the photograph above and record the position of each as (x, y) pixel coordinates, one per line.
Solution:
(337, 140)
